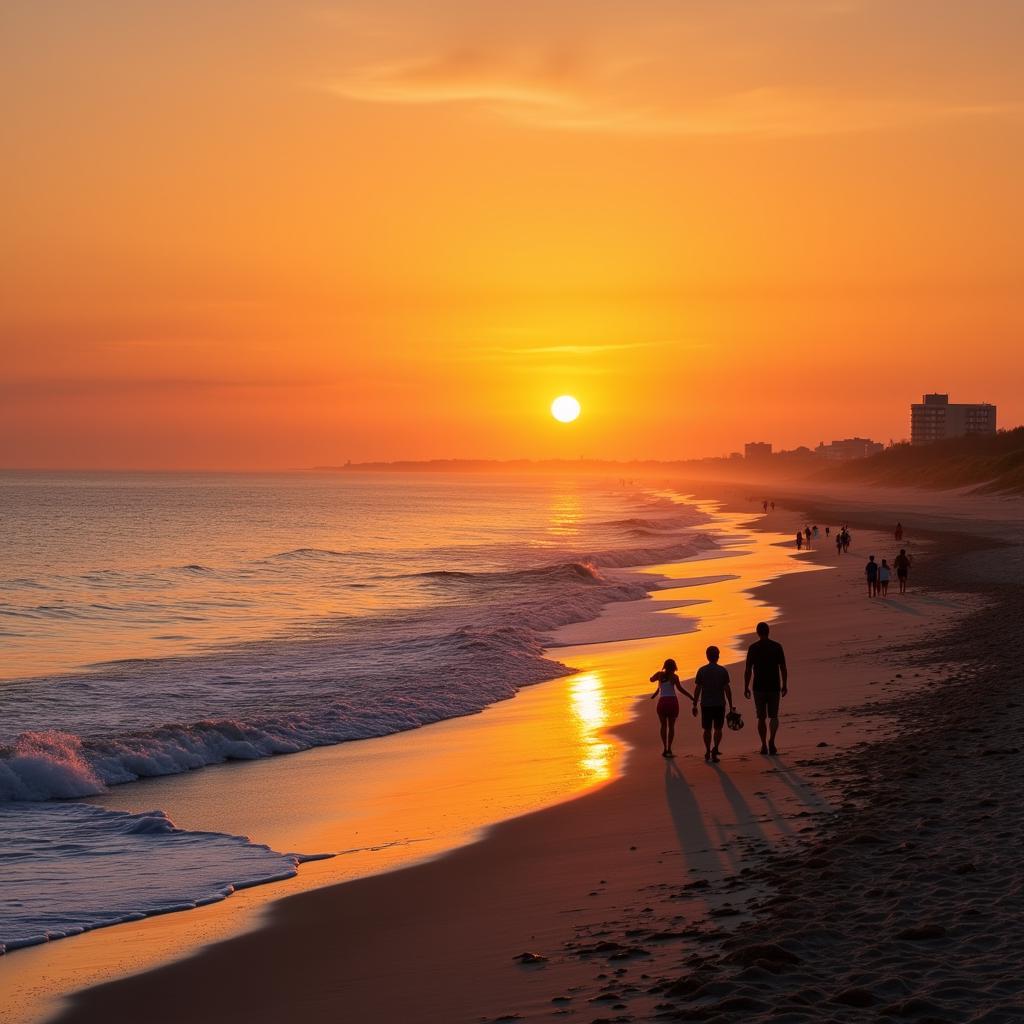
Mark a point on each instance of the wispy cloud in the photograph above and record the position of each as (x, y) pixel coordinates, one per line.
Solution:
(560, 89)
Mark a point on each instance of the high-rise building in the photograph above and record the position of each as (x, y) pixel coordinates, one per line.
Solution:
(935, 418)
(757, 450)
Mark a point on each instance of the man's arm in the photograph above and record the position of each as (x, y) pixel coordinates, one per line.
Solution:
(784, 671)
(728, 697)
(746, 675)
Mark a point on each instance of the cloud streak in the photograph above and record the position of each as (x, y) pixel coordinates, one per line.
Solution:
(562, 90)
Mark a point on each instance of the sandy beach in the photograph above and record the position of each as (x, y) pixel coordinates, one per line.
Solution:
(844, 874)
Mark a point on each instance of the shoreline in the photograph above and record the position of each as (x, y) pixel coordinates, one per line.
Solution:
(304, 974)
(218, 800)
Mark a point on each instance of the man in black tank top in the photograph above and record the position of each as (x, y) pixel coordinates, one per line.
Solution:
(766, 663)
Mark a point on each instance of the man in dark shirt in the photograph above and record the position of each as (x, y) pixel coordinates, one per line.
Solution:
(766, 662)
(711, 691)
(871, 572)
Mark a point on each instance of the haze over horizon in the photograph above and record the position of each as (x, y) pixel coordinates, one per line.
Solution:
(270, 235)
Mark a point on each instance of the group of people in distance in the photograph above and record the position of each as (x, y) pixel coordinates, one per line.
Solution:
(878, 576)
(804, 537)
(765, 677)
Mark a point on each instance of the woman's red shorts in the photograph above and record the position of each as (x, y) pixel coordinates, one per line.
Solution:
(668, 707)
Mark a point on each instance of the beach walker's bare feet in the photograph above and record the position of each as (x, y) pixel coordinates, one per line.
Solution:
(707, 755)
(764, 749)
(714, 756)
(772, 749)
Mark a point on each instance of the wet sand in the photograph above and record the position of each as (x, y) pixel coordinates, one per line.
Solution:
(399, 800)
(655, 895)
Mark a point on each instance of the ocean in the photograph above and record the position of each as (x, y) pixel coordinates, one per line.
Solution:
(157, 623)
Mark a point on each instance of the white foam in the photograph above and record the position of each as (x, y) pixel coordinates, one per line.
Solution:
(69, 868)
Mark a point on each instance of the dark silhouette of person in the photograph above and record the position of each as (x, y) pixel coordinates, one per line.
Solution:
(711, 689)
(668, 703)
(901, 563)
(884, 574)
(871, 572)
(799, 540)
(766, 663)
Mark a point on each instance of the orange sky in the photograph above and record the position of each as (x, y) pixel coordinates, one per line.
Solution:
(252, 234)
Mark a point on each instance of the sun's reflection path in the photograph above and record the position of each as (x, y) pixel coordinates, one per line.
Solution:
(566, 513)
(589, 707)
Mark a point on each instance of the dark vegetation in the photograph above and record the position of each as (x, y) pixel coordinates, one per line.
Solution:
(988, 463)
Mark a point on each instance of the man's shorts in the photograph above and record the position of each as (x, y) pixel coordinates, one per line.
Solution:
(766, 703)
(712, 718)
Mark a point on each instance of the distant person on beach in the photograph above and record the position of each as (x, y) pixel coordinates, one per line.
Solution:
(846, 540)
(807, 534)
(871, 572)
(839, 543)
(799, 540)
(711, 690)
(764, 505)
(898, 532)
(766, 664)
(901, 563)
(668, 703)
(814, 532)
(773, 506)
(828, 530)
(884, 575)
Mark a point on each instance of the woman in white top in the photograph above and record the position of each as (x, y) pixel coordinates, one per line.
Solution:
(668, 703)
(884, 575)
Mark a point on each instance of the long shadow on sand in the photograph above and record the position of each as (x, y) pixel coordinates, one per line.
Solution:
(688, 819)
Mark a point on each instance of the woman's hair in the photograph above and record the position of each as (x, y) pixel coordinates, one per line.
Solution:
(670, 665)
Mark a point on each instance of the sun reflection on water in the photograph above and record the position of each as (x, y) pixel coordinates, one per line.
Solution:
(566, 513)
(590, 713)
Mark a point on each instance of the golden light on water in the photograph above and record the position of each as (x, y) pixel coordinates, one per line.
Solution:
(566, 515)
(590, 712)
(565, 409)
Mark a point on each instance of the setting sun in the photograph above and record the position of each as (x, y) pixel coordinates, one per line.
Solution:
(565, 409)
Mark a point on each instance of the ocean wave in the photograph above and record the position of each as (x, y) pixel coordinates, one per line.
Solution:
(333, 681)
(70, 868)
(308, 554)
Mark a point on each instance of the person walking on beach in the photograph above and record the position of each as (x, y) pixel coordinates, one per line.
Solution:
(773, 506)
(799, 540)
(711, 690)
(898, 532)
(901, 563)
(839, 543)
(884, 575)
(871, 572)
(814, 532)
(766, 663)
(846, 540)
(828, 530)
(764, 505)
(668, 703)
(807, 535)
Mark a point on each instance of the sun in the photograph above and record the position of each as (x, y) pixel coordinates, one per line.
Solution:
(565, 408)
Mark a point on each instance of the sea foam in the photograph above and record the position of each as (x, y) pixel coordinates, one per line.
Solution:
(68, 868)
